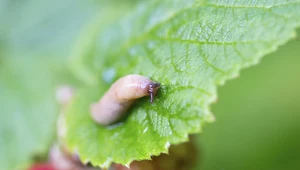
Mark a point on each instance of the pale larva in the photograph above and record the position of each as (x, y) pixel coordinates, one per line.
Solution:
(117, 100)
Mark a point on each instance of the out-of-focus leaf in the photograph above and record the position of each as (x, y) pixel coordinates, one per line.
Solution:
(27, 110)
(35, 40)
(188, 46)
(257, 117)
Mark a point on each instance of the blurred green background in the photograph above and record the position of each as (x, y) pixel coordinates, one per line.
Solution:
(257, 117)
(258, 114)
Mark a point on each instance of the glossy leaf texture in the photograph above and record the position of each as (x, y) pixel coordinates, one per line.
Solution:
(190, 47)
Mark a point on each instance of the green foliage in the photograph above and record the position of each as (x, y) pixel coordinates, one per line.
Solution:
(190, 47)
(27, 111)
(35, 37)
(258, 117)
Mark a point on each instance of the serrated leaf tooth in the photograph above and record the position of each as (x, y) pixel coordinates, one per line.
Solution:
(107, 163)
(167, 145)
(127, 165)
(86, 161)
(210, 118)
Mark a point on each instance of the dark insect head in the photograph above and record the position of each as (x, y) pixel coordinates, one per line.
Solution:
(153, 87)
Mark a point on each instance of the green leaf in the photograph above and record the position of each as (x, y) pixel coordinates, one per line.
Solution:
(190, 47)
(27, 111)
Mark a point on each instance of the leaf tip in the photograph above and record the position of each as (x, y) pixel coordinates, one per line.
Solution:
(210, 118)
(127, 165)
(86, 161)
(167, 145)
(106, 164)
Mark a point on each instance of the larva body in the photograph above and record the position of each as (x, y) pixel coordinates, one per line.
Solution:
(121, 95)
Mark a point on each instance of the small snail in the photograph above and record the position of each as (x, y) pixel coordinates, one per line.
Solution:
(121, 95)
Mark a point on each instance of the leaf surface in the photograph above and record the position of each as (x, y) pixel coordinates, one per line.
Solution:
(190, 47)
